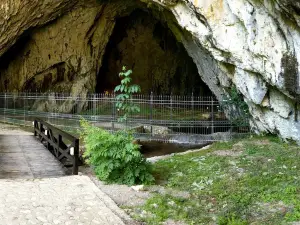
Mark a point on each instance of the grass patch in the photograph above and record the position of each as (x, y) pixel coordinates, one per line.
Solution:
(259, 186)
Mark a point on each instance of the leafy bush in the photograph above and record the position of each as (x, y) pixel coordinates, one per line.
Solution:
(115, 158)
(237, 108)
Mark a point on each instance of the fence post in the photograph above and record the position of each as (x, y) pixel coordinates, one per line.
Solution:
(151, 113)
(113, 96)
(49, 102)
(94, 104)
(193, 113)
(79, 96)
(4, 106)
(25, 96)
(212, 116)
(231, 124)
(171, 102)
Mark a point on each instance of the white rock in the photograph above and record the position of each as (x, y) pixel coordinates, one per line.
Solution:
(250, 85)
(138, 187)
(280, 104)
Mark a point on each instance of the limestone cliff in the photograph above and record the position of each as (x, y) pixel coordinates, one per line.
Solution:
(251, 44)
(64, 55)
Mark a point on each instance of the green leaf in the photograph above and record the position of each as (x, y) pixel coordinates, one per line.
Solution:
(128, 73)
(126, 80)
(117, 88)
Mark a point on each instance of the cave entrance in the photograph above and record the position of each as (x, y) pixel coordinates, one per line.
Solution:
(159, 62)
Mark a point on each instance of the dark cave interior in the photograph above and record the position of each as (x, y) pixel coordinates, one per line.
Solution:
(159, 62)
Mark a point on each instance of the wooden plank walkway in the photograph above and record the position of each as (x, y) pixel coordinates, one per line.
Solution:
(24, 157)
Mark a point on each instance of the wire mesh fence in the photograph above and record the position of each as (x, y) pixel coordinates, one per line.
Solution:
(168, 118)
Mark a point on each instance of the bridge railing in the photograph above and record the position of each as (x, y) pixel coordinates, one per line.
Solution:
(64, 146)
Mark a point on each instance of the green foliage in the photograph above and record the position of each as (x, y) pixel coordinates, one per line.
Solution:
(256, 182)
(115, 158)
(237, 108)
(231, 221)
(126, 91)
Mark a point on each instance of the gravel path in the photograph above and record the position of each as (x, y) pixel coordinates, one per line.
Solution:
(65, 200)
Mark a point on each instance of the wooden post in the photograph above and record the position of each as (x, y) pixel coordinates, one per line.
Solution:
(76, 157)
(59, 142)
(48, 138)
(35, 127)
(41, 131)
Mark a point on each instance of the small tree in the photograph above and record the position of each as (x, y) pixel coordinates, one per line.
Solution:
(126, 91)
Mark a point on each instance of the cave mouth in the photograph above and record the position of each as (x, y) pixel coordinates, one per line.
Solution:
(159, 62)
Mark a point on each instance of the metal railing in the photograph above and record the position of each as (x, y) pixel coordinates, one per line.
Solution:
(167, 118)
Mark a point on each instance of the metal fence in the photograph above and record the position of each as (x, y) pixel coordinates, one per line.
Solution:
(182, 119)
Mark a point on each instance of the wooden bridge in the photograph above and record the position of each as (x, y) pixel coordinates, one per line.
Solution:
(60, 200)
(37, 156)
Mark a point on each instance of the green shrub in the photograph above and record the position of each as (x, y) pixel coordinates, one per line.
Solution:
(115, 158)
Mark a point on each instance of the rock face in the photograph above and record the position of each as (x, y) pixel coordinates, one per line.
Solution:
(253, 45)
(63, 56)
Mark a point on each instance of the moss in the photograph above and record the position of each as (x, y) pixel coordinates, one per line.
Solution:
(230, 68)
(287, 16)
(290, 73)
(272, 3)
